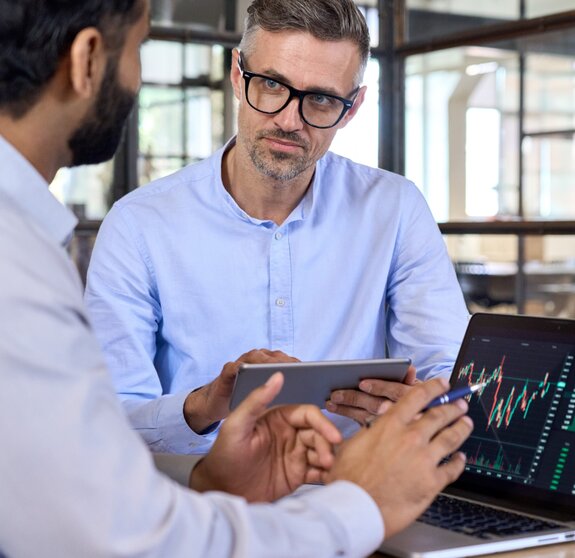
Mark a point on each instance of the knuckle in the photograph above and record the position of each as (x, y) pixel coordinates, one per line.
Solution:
(346, 397)
(375, 404)
(452, 438)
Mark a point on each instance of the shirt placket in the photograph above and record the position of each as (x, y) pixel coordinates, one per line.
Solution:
(280, 301)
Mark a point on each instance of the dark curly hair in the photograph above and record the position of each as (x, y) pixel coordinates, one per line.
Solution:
(36, 34)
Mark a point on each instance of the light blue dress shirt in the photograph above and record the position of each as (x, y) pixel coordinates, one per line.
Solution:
(182, 280)
(75, 480)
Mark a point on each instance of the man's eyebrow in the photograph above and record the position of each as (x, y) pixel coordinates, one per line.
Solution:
(316, 89)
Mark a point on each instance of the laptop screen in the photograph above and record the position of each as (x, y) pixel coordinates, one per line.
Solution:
(524, 417)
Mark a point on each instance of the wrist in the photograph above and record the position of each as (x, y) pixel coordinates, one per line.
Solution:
(194, 411)
(200, 479)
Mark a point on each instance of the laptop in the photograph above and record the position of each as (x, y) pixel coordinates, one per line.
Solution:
(518, 487)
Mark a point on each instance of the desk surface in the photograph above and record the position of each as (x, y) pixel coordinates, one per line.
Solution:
(566, 550)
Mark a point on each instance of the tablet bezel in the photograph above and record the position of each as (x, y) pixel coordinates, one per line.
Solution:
(313, 382)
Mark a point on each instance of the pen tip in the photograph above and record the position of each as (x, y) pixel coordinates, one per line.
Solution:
(478, 386)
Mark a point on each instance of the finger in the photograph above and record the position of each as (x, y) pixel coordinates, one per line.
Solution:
(355, 398)
(411, 376)
(313, 459)
(255, 405)
(310, 416)
(320, 463)
(450, 438)
(258, 356)
(280, 356)
(223, 385)
(385, 388)
(315, 476)
(418, 397)
(255, 356)
(434, 420)
(354, 413)
(450, 471)
(319, 450)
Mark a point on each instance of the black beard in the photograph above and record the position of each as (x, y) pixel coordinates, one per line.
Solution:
(97, 138)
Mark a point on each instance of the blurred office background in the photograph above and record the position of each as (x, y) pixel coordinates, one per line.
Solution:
(472, 100)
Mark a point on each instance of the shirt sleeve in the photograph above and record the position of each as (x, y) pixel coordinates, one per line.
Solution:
(126, 313)
(77, 481)
(426, 313)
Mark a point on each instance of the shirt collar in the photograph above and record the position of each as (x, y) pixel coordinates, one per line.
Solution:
(24, 185)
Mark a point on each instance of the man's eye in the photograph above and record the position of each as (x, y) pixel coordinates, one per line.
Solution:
(322, 100)
(271, 84)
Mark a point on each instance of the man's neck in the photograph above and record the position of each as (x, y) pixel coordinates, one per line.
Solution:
(260, 196)
(26, 137)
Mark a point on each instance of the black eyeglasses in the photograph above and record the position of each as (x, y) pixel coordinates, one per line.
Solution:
(270, 96)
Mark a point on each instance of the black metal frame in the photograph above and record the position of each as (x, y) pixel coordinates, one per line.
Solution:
(392, 54)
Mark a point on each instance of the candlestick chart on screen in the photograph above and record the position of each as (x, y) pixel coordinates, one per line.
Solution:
(515, 410)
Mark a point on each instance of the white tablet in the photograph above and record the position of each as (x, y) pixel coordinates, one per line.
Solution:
(313, 382)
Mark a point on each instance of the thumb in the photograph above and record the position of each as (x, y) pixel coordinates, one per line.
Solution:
(411, 376)
(225, 382)
(255, 404)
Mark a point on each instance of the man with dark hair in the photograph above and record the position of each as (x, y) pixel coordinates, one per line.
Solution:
(75, 479)
(273, 242)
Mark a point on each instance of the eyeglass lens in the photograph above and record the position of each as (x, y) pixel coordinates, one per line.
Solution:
(269, 96)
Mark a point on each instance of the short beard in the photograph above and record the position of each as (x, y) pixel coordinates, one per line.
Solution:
(98, 137)
(269, 164)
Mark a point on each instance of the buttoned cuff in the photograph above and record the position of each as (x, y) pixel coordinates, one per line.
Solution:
(177, 436)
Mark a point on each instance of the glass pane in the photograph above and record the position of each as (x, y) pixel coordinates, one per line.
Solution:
(200, 123)
(369, 10)
(486, 268)
(536, 8)
(549, 172)
(162, 62)
(359, 139)
(162, 121)
(205, 122)
(461, 107)
(198, 61)
(436, 18)
(150, 168)
(549, 91)
(204, 62)
(482, 152)
(86, 190)
(550, 276)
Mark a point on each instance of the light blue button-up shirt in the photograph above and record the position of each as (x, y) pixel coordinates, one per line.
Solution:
(182, 280)
(75, 480)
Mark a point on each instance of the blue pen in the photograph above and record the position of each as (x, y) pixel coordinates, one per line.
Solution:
(454, 394)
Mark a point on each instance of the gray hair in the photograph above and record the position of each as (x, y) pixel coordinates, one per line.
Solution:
(326, 20)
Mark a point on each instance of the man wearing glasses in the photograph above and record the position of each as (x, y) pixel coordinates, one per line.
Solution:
(273, 242)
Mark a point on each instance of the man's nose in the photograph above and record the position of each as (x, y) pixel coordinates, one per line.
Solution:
(289, 119)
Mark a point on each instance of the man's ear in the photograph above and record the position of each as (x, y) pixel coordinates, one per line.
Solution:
(359, 98)
(236, 75)
(88, 58)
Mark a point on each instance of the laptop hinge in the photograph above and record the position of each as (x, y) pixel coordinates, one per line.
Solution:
(538, 509)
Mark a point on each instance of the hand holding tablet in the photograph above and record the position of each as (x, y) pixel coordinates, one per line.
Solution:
(313, 382)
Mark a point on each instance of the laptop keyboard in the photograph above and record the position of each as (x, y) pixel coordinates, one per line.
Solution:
(480, 521)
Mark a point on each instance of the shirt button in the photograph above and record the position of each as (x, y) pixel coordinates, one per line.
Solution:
(280, 302)
(279, 236)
